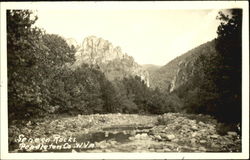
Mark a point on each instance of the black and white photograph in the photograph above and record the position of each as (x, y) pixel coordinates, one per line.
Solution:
(135, 78)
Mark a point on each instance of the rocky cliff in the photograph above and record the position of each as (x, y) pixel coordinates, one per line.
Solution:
(72, 42)
(110, 59)
(179, 70)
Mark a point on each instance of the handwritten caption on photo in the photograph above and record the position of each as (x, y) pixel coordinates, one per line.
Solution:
(56, 142)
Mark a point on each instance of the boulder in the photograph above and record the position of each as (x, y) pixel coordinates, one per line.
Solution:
(131, 138)
(106, 134)
(203, 141)
(202, 149)
(175, 140)
(167, 150)
(194, 128)
(232, 133)
(214, 136)
(158, 137)
(193, 140)
(170, 137)
(138, 136)
(194, 134)
(201, 123)
(142, 136)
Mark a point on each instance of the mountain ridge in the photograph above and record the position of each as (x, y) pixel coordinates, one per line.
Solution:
(177, 71)
(109, 58)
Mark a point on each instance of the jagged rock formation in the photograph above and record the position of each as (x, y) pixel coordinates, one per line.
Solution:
(72, 42)
(110, 59)
(179, 70)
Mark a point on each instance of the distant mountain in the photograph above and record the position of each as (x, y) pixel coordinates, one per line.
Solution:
(177, 72)
(150, 67)
(110, 59)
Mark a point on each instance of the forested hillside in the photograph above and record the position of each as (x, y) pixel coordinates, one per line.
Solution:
(214, 86)
(207, 79)
(179, 70)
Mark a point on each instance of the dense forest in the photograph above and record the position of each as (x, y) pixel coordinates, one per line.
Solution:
(41, 81)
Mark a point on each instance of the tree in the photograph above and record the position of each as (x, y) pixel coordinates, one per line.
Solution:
(84, 87)
(215, 87)
(138, 89)
(59, 52)
(229, 47)
(25, 52)
(56, 64)
(37, 65)
(109, 96)
(124, 99)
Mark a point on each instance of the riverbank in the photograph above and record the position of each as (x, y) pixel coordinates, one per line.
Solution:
(171, 132)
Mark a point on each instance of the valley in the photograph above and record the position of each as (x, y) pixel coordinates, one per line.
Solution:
(65, 96)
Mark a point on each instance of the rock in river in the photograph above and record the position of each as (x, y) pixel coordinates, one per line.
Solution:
(142, 136)
(232, 133)
(170, 137)
(194, 128)
(215, 136)
(203, 141)
(158, 137)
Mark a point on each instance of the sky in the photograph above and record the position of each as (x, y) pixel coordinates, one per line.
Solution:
(150, 36)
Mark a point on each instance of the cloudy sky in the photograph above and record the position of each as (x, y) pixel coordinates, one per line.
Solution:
(150, 36)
